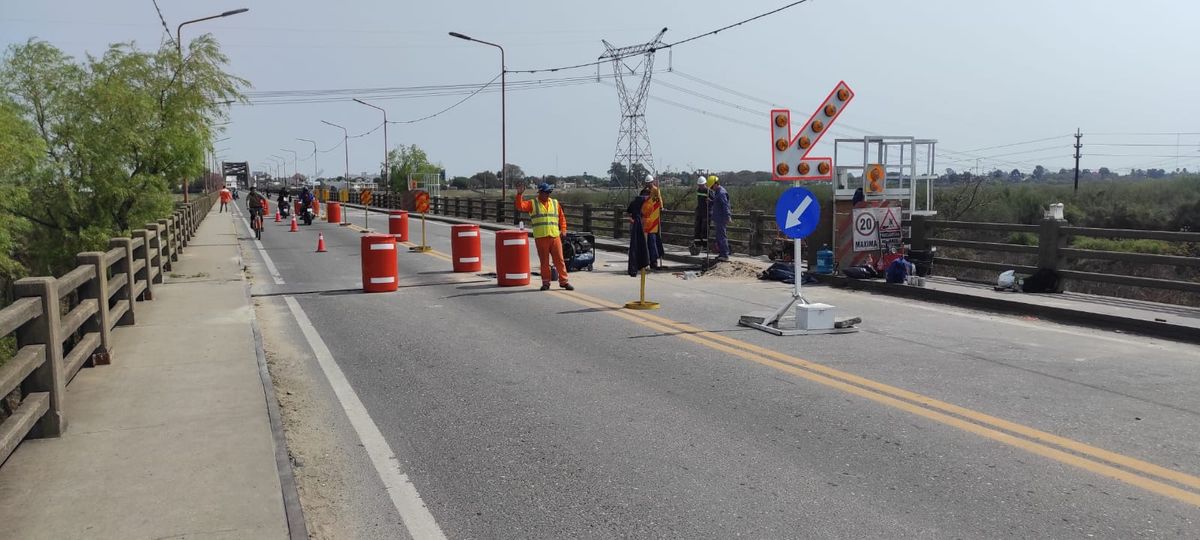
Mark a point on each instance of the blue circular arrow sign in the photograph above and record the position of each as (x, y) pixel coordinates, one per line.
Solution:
(797, 212)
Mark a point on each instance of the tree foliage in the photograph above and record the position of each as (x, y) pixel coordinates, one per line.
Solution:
(404, 161)
(112, 134)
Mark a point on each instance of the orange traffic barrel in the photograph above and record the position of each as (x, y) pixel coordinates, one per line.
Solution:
(512, 258)
(464, 248)
(398, 225)
(316, 206)
(333, 212)
(380, 272)
(297, 207)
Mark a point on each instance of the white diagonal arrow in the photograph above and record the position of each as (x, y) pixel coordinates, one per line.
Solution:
(793, 218)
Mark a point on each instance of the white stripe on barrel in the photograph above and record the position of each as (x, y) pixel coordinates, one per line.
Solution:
(378, 280)
(519, 242)
(468, 259)
(465, 234)
(388, 245)
(515, 276)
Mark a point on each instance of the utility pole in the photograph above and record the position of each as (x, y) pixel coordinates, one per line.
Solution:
(1078, 146)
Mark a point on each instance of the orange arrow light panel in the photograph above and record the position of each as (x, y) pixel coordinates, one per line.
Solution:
(789, 159)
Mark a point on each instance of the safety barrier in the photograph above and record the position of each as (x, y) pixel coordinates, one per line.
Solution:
(1047, 245)
(62, 324)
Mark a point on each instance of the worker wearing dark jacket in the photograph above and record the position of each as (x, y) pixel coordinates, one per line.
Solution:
(549, 224)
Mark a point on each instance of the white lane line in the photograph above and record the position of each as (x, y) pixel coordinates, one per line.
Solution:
(417, 518)
(275, 275)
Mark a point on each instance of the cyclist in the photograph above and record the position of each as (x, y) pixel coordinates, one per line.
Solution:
(256, 202)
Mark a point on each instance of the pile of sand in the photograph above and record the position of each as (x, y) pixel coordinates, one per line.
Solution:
(736, 269)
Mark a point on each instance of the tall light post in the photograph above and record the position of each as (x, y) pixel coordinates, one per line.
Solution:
(503, 114)
(345, 145)
(386, 169)
(295, 161)
(314, 143)
(179, 50)
(280, 168)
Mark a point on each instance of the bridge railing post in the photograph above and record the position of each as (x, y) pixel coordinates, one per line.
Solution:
(587, 217)
(618, 220)
(1050, 243)
(756, 233)
(154, 260)
(96, 289)
(45, 331)
(124, 265)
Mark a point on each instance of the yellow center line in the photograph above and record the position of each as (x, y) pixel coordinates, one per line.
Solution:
(924, 406)
(939, 411)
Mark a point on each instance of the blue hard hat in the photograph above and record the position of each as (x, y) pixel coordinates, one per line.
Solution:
(545, 188)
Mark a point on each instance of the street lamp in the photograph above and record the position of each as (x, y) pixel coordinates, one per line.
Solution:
(278, 166)
(179, 50)
(503, 114)
(386, 169)
(314, 143)
(345, 145)
(295, 160)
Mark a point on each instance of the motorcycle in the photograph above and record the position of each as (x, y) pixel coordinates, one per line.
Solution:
(285, 208)
(307, 215)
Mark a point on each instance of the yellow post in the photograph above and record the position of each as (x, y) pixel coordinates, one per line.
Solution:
(423, 247)
(642, 303)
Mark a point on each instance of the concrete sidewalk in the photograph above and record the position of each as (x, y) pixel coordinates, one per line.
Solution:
(173, 440)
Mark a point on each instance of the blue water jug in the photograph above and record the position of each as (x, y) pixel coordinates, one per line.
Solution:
(825, 260)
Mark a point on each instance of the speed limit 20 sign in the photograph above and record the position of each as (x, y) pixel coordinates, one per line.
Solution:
(866, 230)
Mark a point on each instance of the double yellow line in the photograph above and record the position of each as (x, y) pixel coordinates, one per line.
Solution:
(1154, 478)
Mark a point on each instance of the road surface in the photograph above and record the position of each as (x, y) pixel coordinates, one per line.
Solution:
(456, 408)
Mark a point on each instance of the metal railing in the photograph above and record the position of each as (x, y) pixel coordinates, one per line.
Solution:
(750, 234)
(1053, 252)
(62, 324)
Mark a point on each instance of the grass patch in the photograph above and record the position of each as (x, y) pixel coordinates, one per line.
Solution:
(1129, 245)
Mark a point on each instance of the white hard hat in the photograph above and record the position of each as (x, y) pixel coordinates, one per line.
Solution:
(700, 181)
(649, 178)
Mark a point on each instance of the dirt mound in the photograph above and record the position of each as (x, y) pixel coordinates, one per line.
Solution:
(736, 269)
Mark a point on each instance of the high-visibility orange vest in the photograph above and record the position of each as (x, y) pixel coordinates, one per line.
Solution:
(651, 214)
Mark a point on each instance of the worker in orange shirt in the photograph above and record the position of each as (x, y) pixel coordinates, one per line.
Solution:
(549, 224)
(225, 196)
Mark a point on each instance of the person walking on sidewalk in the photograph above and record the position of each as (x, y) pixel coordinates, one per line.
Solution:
(549, 224)
(722, 216)
(225, 196)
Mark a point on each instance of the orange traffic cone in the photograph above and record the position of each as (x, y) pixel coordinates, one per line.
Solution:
(294, 227)
(277, 220)
(320, 243)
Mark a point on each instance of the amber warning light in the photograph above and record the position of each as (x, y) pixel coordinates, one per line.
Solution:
(789, 159)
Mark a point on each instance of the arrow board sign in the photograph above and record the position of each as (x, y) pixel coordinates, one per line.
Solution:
(797, 213)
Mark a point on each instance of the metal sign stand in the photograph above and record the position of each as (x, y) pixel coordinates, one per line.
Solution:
(423, 248)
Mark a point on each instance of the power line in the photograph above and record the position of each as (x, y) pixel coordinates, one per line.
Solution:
(166, 27)
(666, 46)
(1056, 137)
(448, 109)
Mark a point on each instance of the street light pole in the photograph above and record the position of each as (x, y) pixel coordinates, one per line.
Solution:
(503, 114)
(295, 161)
(179, 50)
(314, 143)
(386, 170)
(345, 144)
(278, 166)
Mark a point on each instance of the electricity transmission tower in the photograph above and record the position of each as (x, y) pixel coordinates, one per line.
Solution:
(633, 142)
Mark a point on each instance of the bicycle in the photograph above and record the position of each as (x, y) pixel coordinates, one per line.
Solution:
(256, 222)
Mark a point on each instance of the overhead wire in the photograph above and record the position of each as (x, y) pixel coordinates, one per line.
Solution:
(661, 47)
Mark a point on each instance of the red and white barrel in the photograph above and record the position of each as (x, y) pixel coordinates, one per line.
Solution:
(512, 258)
(398, 225)
(465, 248)
(297, 207)
(380, 272)
(333, 212)
(316, 206)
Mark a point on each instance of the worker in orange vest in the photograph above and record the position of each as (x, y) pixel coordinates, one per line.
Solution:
(549, 224)
(652, 221)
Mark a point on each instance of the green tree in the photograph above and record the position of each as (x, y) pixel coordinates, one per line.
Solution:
(118, 131)
(404, 161)
(21, 151)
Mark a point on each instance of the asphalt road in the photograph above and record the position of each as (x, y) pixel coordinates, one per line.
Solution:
(517, 413)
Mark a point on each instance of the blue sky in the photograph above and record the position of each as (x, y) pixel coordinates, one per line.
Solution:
(973, 75)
